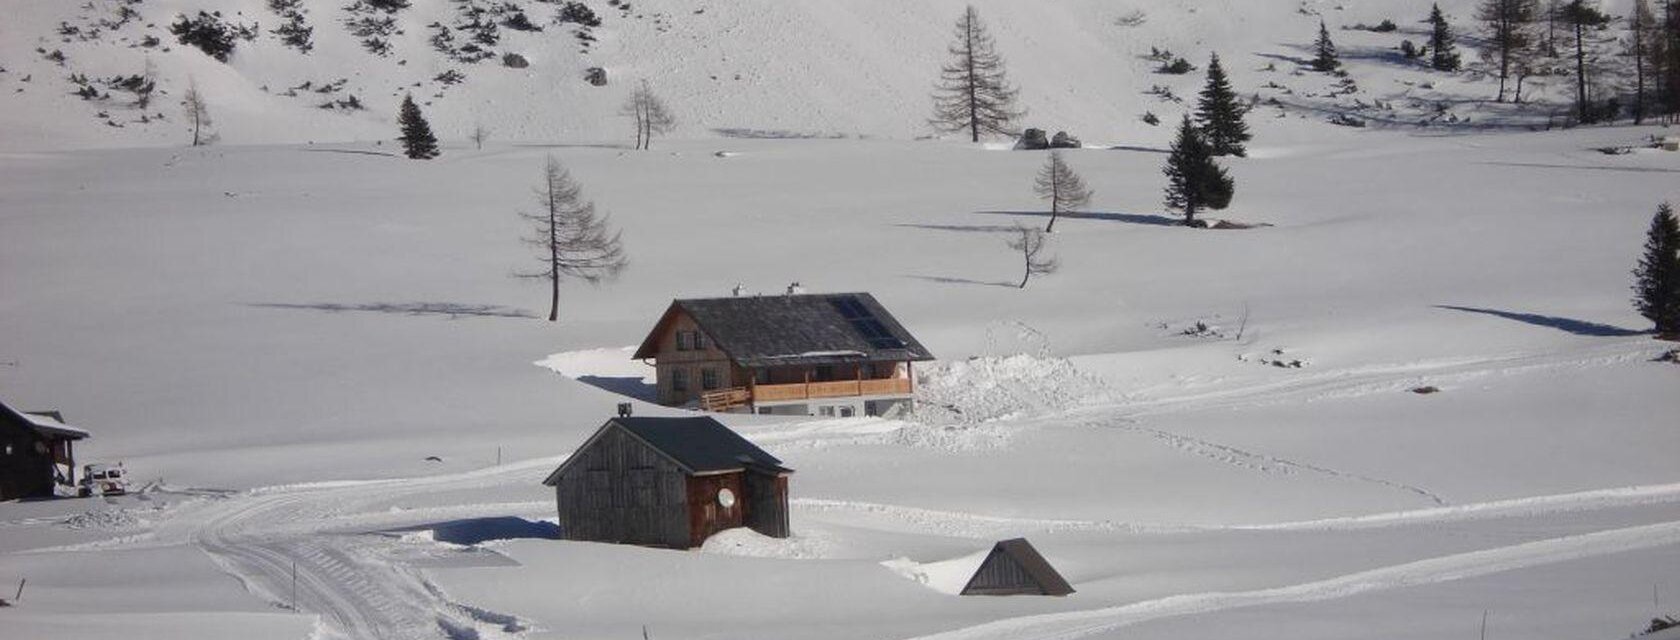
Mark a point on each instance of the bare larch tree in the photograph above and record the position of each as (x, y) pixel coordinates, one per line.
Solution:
(198, 115)
(650, 114)
(973, 93)
(1030, 242)
(479, 135)
(571, 240)
(1064, 189)
(1507, 30)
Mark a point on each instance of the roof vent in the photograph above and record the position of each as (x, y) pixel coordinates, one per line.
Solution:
(623, 409)
(795, 289)
(738, 290)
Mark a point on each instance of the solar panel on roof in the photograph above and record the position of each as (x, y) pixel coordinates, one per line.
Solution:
(865, 323)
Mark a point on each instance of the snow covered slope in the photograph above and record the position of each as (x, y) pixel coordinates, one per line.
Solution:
(749, 68)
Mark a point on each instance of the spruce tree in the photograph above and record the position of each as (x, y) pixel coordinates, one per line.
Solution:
(1195, 181)
(417, 139)
(973, 93)
(1324, 58)
(1656, 285)
(1441, 41)
(1220, 115)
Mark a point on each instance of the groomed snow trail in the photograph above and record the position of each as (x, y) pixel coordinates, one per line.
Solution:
(343, 575)
(1080, 624)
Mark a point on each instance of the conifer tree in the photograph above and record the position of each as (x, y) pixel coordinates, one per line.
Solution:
(1641, 32)
(570, 239)
(1581, 15)
(1195, 181)
(973, 93)
(1507, 30)
(417, 139)
(1656, 285)
(1220, 115)
(1324, 57)
(1441, 42)
(1064, 189)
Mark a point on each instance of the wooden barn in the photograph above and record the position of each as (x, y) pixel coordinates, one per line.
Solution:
(37, 453)
(1015, 568)
(836, 354)
(668, 482)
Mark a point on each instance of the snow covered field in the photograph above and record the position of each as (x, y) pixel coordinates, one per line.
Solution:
(276, 335)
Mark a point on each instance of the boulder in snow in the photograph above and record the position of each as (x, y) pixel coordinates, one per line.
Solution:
(515, 61)
(1064, 141)
(596, 76)
(1032, 139)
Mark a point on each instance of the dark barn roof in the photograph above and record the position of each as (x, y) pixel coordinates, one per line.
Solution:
(1035, 573)
(804, 329)
(699, 445)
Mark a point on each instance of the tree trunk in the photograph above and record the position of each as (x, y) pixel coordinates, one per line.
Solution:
(972, 81)
(1580, 71)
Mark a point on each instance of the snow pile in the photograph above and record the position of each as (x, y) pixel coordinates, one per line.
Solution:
(109, 520)
(745, 542)
(945, 576)
(989, 389)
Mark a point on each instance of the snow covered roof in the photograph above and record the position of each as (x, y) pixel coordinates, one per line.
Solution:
(804, 329)
(46, 423)
(699, 445)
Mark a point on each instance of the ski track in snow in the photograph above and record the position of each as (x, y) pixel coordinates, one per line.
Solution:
(1080, 624)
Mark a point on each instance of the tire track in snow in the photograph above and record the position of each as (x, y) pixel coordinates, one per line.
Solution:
(1080, 624)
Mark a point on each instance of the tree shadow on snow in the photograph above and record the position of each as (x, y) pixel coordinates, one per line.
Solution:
(1128, 218)
(1577, 327)
(633, 387)
(969, 228)
(951, 280)
(452, 310)
(1581, 167)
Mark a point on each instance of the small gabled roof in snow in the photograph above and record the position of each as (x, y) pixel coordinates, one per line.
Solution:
(1014, 567)
(47, 423)
(699, 445)
(803, 329)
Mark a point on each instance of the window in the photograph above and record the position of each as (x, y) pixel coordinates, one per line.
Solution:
(824, 373)
(761, 376)
(827, 412)
(708, 378)
(684, 342)
(679, 380)
(699, 341)
(847, 412)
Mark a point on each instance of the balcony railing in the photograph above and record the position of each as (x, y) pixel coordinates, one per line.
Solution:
(725, 399)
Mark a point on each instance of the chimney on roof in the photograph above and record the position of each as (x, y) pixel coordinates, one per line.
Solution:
(623, 409)
(738, 290)
(795, 289)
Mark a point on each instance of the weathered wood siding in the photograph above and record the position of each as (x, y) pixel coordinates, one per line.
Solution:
(621, 490)
(705, 515)
(767, 504)
(1000, 575)
(692, 361)
(25, 471)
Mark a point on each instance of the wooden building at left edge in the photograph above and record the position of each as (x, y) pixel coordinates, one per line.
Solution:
(668, 482)
(37, 453)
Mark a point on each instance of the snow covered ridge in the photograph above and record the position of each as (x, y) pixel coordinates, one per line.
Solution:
(110, 73)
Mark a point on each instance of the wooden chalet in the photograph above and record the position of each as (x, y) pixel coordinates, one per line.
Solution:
(668, 482)
(838, 354)
(1015, 568)
(37, 453)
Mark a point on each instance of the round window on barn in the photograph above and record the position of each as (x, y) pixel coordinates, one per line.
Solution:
(726, 498)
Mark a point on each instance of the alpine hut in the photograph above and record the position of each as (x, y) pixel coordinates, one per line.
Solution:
(668, 482)
(835, 354)
(37, 453)
(1015, 568)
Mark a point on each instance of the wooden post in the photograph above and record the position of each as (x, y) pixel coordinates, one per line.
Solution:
(294, 586)
(19, 596)
(807, 390)
(1484, 624)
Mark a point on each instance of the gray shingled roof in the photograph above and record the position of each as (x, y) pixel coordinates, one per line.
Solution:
(805, 329)
(700, 445)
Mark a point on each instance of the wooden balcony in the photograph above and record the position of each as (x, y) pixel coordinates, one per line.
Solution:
(725, 399)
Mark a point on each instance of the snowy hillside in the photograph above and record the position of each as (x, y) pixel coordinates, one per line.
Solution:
(749, 68)
(1409, 396)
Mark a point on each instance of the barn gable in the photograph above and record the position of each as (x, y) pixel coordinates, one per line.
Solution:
(1014, 567)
